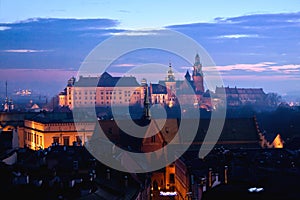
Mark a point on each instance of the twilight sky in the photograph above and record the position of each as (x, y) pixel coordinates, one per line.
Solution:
(253, 43)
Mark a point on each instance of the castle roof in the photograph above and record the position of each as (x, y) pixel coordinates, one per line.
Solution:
(158, 89)
(52, 117)
(235, 90)
(106, 80)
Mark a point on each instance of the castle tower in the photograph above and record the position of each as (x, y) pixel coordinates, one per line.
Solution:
(170, 82)
(171, 85)
(198, 75)
(170, 74)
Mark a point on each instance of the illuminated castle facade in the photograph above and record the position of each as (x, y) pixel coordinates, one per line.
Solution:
(106, 91)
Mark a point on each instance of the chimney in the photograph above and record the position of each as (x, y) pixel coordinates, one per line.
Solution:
(226, 174)
(209, 177)
(216, 177)
(108, 174)
(126, 180)
(203, 184)
(216, 180)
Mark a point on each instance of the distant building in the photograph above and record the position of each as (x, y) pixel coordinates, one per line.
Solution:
(242, 96)
(8, 105)
(106, 90)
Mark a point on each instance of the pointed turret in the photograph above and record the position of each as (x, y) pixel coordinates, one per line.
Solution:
(187, 75)
(71, 81)
(197, 59)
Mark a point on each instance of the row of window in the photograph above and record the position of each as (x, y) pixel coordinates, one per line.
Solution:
(107, 97)
(65, 140)
(102, 98)
(104, 92)
(38, 139)
(35, 138)
(102, 102)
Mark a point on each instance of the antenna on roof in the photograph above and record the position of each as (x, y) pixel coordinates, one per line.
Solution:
(6, 89)
(146, 104)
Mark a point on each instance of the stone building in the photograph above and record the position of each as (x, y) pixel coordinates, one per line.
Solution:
(241, 96)
(102, 91)
(47, 128)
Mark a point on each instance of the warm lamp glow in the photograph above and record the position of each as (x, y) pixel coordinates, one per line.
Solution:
(278, 142)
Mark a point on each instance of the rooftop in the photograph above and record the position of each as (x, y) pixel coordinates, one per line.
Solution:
(106, 80)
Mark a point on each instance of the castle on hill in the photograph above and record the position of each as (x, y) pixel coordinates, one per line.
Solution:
(107, 90)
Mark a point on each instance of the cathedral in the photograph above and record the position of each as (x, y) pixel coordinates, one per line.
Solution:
(190, 90)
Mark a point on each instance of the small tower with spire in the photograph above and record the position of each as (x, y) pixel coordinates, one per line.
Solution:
(170, 85)
(170, 74)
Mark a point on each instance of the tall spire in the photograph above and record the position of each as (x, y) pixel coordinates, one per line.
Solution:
(197, 66)
(146, 103)
(6, 89)
(170, 74)
(8, 103)
(197, 59)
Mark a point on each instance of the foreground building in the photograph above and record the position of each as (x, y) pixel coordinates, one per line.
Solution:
(67, 172)
(47, 128)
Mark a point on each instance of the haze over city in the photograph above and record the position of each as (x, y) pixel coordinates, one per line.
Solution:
(150, 100)
(253, 44)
